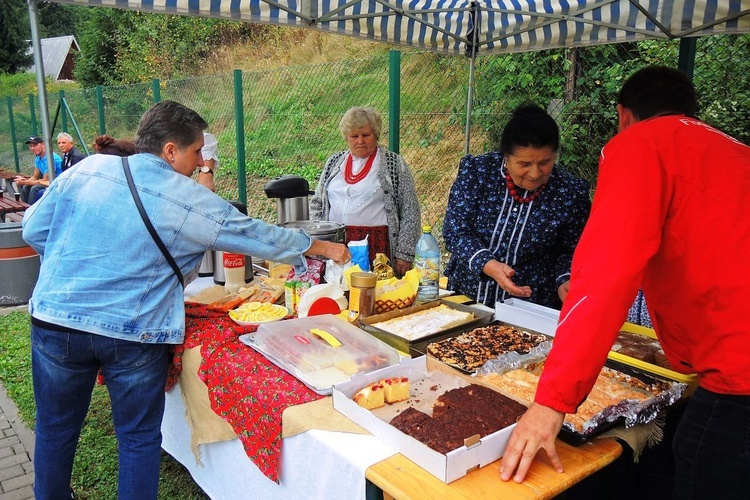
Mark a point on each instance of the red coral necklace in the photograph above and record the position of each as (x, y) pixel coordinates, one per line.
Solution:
(349, 177)
(514, 192)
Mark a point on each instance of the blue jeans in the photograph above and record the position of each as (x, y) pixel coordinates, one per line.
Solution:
(712, 448)
(64, 368)
(31, 194)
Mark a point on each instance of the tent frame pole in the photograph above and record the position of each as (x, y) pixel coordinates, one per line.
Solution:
(41, 85)
(472, 64)
(686, 59)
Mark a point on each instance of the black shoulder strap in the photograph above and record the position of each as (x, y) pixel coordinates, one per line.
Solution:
(147, 221)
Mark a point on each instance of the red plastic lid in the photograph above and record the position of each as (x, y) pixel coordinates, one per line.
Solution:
(324, 305)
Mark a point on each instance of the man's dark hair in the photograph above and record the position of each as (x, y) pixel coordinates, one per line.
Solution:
(168, 121)
(658, 90)
(530, 126)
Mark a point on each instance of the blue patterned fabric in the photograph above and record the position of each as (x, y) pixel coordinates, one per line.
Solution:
(638, 313)
(537, 239)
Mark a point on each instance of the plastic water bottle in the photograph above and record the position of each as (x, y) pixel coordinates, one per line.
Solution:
(427, 262)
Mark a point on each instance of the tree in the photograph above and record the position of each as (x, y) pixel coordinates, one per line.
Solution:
(57, 19)
(15, 33)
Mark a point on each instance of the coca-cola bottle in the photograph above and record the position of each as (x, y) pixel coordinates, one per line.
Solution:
(234, 272)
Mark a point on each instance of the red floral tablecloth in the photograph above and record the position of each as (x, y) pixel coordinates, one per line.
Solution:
(244, 388)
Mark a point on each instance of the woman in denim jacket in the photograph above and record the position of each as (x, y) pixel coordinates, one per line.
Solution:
(107, 298)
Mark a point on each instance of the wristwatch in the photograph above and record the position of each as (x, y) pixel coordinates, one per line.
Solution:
(207, 170)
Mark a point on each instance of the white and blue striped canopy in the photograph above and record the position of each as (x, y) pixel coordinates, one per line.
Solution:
(446, 26)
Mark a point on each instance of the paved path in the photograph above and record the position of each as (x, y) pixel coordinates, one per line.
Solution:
(16, 453)
(16, 447)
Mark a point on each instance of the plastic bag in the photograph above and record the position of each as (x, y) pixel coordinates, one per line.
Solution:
(335, 273)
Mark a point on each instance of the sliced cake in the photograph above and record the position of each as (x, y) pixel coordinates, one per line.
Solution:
(370, 397)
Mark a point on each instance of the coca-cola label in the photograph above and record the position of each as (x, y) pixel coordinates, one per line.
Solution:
(234, 260)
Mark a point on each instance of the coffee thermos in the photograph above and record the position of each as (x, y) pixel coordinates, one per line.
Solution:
(291, 192)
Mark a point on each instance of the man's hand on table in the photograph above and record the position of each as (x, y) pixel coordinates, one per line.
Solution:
(536, 429)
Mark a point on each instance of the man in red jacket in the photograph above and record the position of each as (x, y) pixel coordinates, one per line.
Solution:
(671, 214)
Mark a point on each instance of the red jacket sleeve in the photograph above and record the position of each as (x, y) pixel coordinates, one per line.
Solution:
(621, 235)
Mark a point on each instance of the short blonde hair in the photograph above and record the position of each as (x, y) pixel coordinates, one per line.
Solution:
(358, 117)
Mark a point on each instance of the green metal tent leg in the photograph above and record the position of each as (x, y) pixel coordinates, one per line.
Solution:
(686, 61)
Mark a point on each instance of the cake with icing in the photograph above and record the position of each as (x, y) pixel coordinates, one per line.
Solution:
(425, 322)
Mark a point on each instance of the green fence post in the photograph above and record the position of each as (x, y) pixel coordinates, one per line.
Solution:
(686, 60)
(100, 106)
(394, 101)
(156, 88)
(13, 133)
(64, 124)
(239, 119)
(32, 113)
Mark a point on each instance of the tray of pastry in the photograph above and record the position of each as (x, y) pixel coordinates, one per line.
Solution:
(471, 349)
(622, 394)
(637, 346)
(416, 326)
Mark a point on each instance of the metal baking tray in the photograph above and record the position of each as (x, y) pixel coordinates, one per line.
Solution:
(417, 347)
(613, 416)
(690, 379)
(544, 345)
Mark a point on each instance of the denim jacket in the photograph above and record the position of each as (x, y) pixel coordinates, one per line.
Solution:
(101, 271)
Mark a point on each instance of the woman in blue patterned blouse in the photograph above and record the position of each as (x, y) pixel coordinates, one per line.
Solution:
(514, 217)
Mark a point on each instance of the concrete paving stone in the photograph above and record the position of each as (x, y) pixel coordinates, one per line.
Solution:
(18, 482)
(19, 448)
(6, 452)
(9, 441)
(9, 432)
(28, 467)
(25, 493)
(13, 460)
(11, 472)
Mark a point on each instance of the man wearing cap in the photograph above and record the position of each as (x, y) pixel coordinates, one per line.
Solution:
(39, 180)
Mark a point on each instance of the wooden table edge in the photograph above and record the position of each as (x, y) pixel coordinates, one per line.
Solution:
(400, 478)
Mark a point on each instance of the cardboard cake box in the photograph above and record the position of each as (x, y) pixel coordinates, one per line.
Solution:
(528, 316)
(427, 373)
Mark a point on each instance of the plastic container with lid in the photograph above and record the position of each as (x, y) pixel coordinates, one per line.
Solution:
(316, 359)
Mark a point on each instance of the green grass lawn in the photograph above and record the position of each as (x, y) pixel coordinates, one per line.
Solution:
(95, 468)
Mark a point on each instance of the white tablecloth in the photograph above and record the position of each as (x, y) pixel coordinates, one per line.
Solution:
(314, 464)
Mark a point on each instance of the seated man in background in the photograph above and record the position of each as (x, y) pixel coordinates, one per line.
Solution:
(39, 180)
(71, 154)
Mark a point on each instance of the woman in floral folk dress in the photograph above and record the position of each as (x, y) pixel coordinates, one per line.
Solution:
(514, 217)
